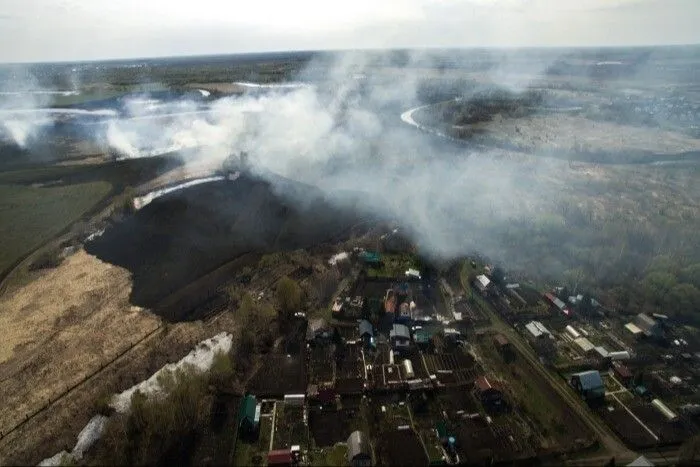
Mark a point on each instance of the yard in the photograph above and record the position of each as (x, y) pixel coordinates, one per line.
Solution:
(394, 266)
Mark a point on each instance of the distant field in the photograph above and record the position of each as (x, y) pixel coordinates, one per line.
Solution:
(30, 215)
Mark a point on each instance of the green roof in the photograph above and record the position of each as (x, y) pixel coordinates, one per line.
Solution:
(247, 410)
(441, 428)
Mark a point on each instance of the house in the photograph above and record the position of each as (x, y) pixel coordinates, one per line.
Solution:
(584, 344)
(280, 457)
(501, 342)
(318, 331)
(622, 373)
(359, 451)
(489, 395)
(540, 338)
(404, 313)
(537, 330)
(649, 326)
(504, 347)
(482, 284)
(400, 337)
(560, 305)
(366, 333)
(589, 385)
(249, 417)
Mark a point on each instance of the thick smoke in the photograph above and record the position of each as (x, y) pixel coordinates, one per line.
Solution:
(338, 125)
(25, 107)
(342, 131)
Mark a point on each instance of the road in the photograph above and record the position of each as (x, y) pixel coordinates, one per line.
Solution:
(612, 445)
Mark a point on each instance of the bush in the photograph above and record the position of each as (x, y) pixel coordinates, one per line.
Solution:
(222, 372)
(159, 429)
(289, 296)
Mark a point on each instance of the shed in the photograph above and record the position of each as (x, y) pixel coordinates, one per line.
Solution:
(589, 384)
(622, 373)
(489, 395)
(400, 336)
(359, 452)
(584, 344)
(633, 328)
(501, 341)
(572, 332)
(482, 283)
(249, 415)
(366, 329)
(537, 330)
(648, 325)
(280, 457)
(601, 351)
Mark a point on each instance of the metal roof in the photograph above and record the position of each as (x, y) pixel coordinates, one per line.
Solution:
(584, 344)
(537, 329)
(633, 328)
(483, 280)
(602, 351)
(645, 322)
(366, 328)
(357, 444)
(590, 380)
(400, 330)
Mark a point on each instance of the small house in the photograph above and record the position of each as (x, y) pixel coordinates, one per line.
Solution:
(400, 337)
(482, 284)
(649, 326)
(249, 417)
(589, 385)
(366, 333)
(622, 373)
(489, 395)
(359, 452)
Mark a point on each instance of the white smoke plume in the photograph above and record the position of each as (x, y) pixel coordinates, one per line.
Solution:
(341, 130)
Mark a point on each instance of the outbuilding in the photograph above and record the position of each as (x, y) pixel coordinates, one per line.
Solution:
(589, 385)
(359, 452)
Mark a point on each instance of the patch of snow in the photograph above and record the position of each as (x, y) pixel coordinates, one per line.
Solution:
(141, 201)
(200, 358)
(55, 460)
(204, 92)
(339, 257)
(90, 434)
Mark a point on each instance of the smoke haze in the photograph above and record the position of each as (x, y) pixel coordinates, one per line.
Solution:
(338, 126)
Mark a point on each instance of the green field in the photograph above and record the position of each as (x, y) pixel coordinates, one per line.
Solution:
(29, 216)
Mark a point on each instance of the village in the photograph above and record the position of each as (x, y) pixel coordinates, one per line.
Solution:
(412, 367)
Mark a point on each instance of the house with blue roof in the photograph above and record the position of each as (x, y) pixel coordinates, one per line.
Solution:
(589, 384)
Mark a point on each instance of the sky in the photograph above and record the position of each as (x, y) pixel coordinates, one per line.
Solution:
(57, 30)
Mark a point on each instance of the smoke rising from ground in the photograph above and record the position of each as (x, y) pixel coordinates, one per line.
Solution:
(338, 126)
(343, 133)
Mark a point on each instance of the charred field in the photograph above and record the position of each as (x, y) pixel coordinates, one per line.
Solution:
(180, 237)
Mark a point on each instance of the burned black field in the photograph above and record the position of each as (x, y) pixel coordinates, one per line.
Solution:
(180, 237)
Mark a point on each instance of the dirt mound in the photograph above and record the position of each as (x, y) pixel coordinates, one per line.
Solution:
(185, 235)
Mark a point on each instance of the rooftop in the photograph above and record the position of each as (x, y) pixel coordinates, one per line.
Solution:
(633, 328)
(584, 344)
(483, 280)
(366, 328)
(400, 330)
(590, 380)
(537, 329)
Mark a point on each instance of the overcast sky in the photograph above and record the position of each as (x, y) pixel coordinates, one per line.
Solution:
(44, 30)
